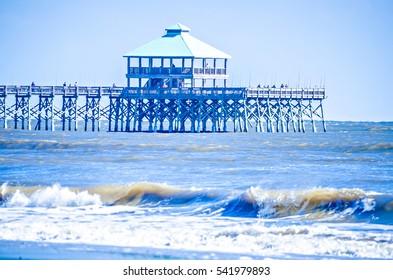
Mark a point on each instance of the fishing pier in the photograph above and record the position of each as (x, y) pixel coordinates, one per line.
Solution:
(176, 83)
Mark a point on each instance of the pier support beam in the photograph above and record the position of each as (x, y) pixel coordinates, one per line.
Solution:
(45, 112)
(92, 111)
(69, 110)
(21, 108)
(3, 105)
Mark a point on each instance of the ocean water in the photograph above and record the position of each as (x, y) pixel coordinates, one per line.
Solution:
(101, 195)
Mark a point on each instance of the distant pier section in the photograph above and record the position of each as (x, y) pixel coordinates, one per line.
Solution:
(176, 83)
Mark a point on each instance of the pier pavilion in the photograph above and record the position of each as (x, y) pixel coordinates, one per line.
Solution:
(176, 60)
(175, 83)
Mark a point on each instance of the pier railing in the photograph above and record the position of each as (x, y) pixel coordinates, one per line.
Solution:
(60, 90)
(287, 93)
(237, 93)
(185, 93)
(176, 71)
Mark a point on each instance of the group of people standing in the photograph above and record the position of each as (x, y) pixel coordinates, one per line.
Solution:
(274, 86)
(65, 84)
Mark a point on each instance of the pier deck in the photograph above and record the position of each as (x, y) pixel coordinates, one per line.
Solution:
(161, 109)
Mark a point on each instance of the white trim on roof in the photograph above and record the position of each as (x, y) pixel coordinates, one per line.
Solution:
(178, 26)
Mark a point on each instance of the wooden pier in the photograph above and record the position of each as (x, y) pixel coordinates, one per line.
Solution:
(176, 83)
(135, 109)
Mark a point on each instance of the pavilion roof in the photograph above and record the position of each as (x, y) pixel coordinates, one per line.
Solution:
(177, 43)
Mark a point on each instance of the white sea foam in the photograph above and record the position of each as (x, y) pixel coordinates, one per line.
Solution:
(125, 228)
(50, 197)
(3, 189)
(18, 199)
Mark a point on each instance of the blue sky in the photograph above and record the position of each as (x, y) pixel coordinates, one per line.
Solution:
(345, 45)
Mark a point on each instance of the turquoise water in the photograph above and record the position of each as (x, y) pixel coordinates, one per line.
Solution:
(198, 196)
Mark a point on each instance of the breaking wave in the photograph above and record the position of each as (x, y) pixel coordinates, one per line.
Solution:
(317, 203)
(50, 197)
(350, 205)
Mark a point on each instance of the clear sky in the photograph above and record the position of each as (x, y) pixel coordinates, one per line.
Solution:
(346, 45)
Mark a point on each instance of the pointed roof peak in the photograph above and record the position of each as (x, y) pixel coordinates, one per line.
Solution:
(178, 27)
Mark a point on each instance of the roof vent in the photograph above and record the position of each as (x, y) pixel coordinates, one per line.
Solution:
(177, 29)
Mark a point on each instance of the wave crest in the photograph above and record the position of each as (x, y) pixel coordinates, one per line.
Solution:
(313, 204)
(50, 197)
(306, 204)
